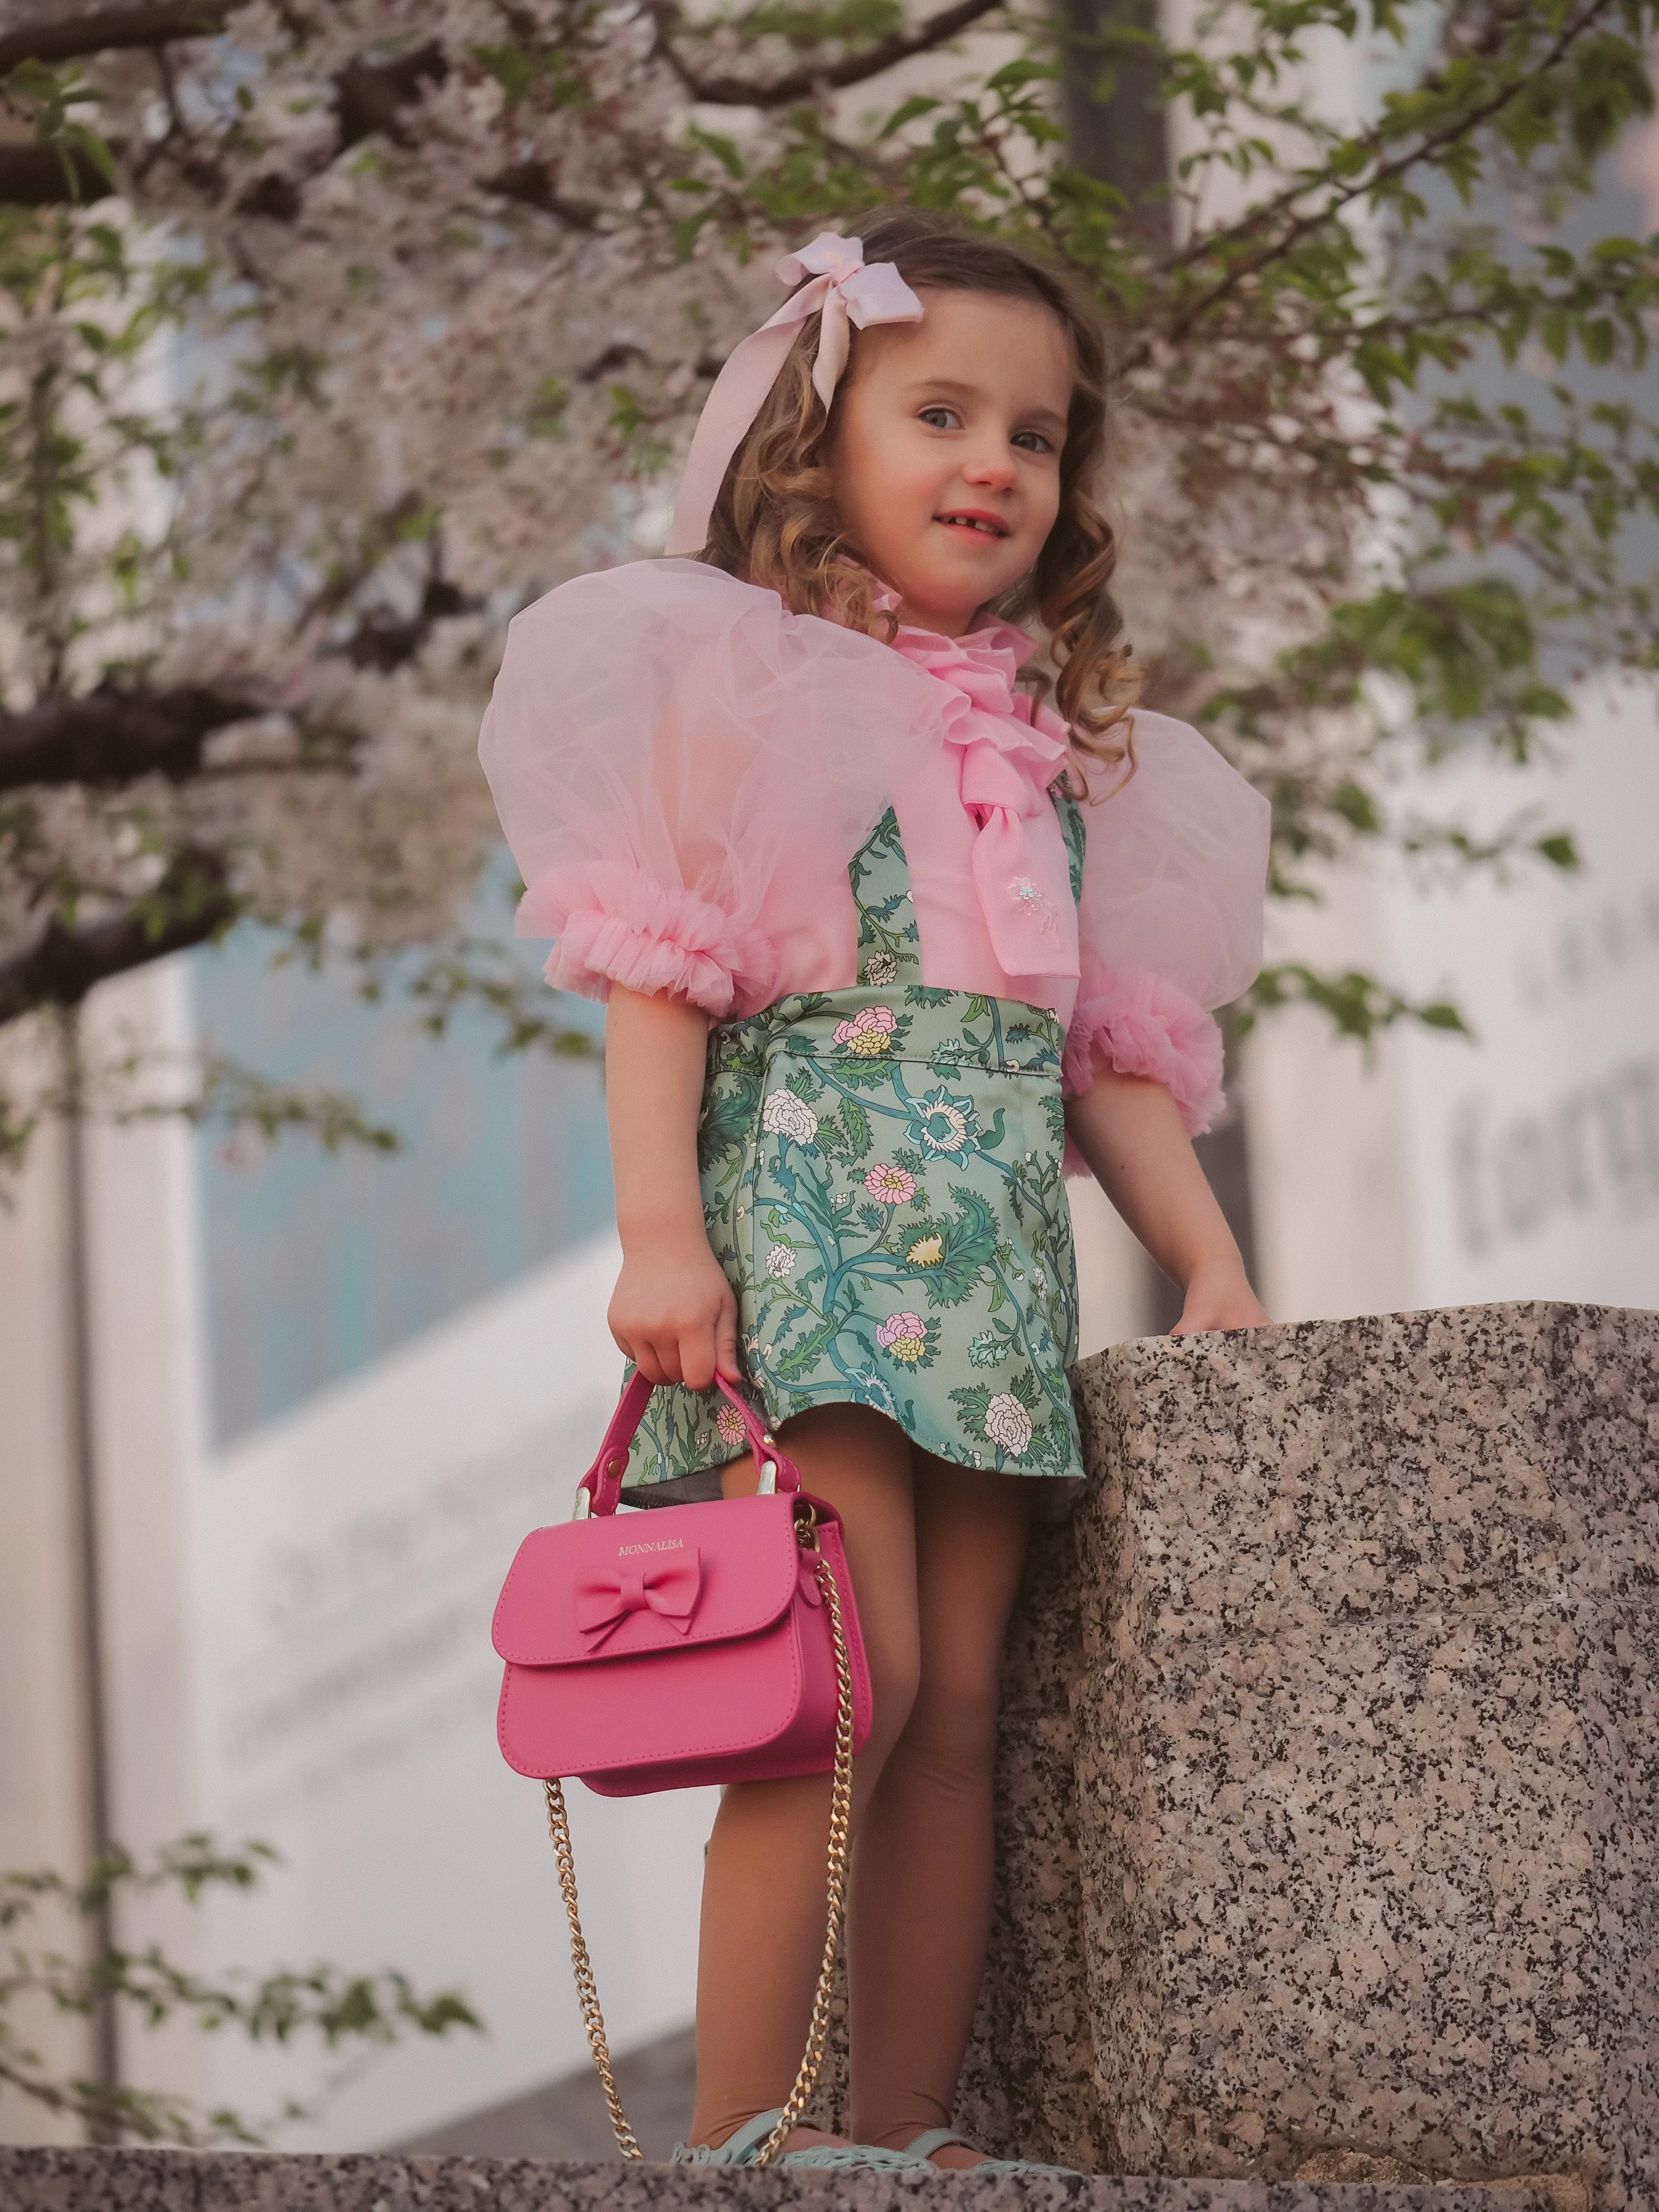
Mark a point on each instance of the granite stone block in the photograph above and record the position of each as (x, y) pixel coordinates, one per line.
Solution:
(1357, 1650)
(180, 2181)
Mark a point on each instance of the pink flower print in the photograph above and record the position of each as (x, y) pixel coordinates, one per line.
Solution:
(889, 1186)
(868, 1031)
(729, 1422)
(904, 1337)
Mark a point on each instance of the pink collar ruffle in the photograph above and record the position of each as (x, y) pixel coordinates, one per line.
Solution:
(1010, 755)
(982, 666)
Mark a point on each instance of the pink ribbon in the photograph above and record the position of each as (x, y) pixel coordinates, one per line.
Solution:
(668, 1587)
(1020, 904)
(848, 290)
(1010, 753)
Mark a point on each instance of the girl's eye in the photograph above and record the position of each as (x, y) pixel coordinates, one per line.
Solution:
(940, 418)
(1033, 441)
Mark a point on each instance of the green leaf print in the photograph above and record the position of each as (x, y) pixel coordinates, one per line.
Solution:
(856, 1123)
(727, 1119)
(966, 1243)
(804, 1085)
(866, 1074)
(1049, 1451)
(989, 1348)
(972, 1402)
(805, 1354)
(923, 994)
(1025, 1390)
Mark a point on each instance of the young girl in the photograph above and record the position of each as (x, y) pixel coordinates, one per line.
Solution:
(879, 932)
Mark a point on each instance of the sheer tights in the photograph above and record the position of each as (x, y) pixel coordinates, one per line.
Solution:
(935, 1554)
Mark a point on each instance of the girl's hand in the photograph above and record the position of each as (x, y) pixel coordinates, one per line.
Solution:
(1130, 1132)
(672, 1311)
(1218, 1296)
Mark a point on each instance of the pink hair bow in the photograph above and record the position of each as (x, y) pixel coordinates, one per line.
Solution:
(668, 1587)
(849, 289)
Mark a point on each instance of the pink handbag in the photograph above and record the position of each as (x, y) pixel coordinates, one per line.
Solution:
(694, 1643)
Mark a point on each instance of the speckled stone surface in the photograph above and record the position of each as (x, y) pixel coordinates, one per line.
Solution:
(1330, 1803)
(181, 2181)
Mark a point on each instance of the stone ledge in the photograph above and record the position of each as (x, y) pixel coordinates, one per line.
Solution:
(1330, 1757)
(53, 2181)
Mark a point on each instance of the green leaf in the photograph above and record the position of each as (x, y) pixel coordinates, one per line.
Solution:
(1560, 850)
(724, 149)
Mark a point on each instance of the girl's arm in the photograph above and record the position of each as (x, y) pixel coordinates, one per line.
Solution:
(672, 1311)
(1130, 1133)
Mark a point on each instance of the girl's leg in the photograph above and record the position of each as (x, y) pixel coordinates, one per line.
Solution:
(764, 1886)
(922, 1870)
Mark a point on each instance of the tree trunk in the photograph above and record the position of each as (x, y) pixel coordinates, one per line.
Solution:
(1108, 98)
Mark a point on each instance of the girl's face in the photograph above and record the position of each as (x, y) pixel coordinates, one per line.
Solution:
(945, 463)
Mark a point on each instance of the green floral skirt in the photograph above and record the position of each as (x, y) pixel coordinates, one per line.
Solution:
(881, 1179)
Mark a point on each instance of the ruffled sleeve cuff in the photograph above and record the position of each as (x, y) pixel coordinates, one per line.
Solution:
(1140, 1024)
(615, 924)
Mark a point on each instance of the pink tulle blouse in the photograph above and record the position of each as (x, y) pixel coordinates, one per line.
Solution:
(685, 769)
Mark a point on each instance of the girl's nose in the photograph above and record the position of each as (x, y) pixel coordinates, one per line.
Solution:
(993, 467)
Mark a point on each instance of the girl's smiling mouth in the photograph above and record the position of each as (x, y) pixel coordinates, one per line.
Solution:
(975, 518)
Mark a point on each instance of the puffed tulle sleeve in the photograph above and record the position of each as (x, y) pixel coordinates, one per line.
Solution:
(1175, 874)
(683, 770)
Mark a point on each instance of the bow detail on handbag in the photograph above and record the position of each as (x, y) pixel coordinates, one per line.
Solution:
(669, 1587)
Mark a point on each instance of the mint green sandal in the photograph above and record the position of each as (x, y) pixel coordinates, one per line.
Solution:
(921, 2150)
(739, 2149)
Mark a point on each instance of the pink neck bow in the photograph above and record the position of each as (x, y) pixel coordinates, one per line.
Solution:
(668, 1587)
(847, 288)
(1010, 755)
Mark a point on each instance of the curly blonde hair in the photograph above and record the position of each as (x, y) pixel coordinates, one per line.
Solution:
(776, 522)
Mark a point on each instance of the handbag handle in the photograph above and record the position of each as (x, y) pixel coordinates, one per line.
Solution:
(600, 1489)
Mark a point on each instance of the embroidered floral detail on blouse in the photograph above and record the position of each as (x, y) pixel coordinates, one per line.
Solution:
(1031, 899)
(783, 1115)
(868, 1032)
(880, 968)
(904, 1337)
(889, 1186)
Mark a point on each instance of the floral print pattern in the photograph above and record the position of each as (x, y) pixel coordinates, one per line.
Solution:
(881, 1179)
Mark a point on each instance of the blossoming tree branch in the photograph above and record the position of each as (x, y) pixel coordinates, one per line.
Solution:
(331, 332)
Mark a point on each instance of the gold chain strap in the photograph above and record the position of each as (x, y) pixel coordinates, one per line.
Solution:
(840, 1813)
(588, 1990)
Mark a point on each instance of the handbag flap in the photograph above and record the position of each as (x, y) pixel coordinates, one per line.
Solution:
(620, 1584)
